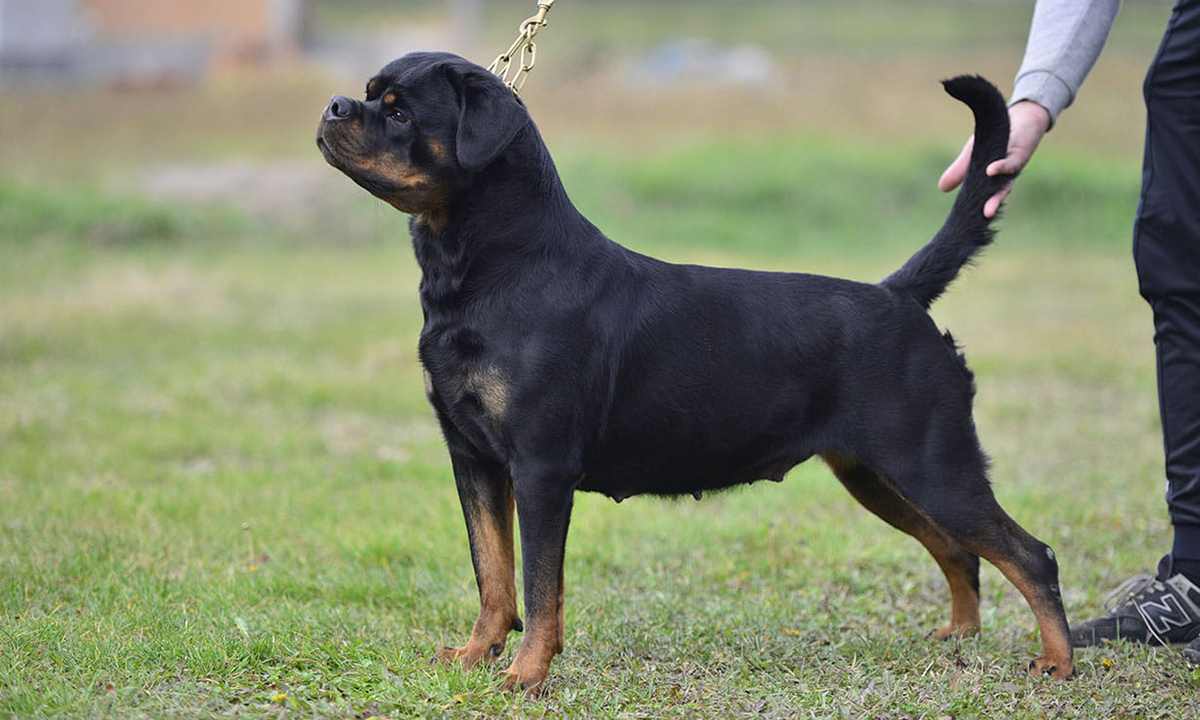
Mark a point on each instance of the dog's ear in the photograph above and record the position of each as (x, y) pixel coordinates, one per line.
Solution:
(490, 116)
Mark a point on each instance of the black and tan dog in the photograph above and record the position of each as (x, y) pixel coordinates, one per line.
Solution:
(557, 360)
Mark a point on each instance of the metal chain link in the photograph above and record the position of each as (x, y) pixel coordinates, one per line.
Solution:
(523, 48)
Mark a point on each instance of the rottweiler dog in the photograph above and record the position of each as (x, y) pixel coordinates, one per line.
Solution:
(558, 361)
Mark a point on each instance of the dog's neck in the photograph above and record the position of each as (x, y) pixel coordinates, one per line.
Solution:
(503, 216)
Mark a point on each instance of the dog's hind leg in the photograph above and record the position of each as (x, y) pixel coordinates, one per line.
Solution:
(960, 566)
(949, 484)
(1031, 567)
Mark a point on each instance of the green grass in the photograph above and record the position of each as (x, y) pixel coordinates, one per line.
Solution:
(222, 491)
(220, 482)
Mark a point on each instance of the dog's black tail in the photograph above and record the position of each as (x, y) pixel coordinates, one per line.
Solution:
(930, 271)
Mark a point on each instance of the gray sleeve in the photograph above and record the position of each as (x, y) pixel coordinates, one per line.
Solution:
(1065, 39)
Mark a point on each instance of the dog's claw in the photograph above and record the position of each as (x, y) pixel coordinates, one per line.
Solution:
(511, 683)
(1042, 666)
(445, 655)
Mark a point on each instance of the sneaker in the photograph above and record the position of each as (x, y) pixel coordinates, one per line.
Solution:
(1192, 651)
(1156, 610)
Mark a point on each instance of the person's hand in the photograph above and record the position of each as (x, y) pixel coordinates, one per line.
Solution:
(1028, 122)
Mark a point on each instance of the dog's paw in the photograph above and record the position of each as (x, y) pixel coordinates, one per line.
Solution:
(528, 681)
(1057, 669)
(469, 655)
(948, 631)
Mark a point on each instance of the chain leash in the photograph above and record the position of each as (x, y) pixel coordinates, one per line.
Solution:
(523, 50)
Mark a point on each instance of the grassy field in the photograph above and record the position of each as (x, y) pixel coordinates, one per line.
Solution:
(222, 491)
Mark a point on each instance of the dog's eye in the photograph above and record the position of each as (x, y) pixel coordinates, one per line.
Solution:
(397, 116)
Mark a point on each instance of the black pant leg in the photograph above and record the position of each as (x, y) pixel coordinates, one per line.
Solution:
(1167, 254)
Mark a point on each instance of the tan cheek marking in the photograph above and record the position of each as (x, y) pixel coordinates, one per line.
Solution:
(402, 173)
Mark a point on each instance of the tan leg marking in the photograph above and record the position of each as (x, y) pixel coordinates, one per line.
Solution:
(542, 641)
(964, 605)
(492, 549)
(1057, 657)
(964, 598)
(561, 621)
(903, 515)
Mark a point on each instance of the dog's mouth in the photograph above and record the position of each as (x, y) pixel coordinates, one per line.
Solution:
(345, 159)
(405, 189)
(339, 143)
(401, 184)
(331, 156)
(323, 145)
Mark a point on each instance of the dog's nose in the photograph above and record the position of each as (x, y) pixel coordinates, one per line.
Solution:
(339, 108)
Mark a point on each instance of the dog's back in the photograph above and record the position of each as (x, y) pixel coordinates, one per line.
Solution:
(787, 365)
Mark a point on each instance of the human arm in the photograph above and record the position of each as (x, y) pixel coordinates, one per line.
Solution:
(1065, 38)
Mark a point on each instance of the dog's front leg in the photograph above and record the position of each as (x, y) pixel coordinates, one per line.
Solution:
(544, 504)
(487, 503)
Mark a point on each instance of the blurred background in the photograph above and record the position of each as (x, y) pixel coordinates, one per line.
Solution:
(219, 476)
(213, 105)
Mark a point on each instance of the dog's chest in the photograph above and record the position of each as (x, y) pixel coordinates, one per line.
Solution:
(467, 387)
(462, 381)
(474, 388)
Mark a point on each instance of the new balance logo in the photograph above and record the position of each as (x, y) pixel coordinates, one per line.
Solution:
(1165, 614)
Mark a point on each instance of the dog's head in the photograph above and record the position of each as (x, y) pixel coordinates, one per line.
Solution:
(428, 124)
